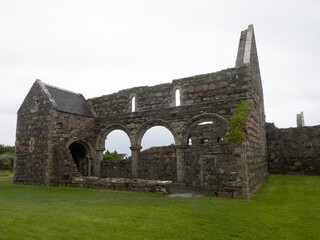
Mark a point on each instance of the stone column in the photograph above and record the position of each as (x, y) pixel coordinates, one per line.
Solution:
(89, 160)
(135, 161)
(181, 171)
(97, 163)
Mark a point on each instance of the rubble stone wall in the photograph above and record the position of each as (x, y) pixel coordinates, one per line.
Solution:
(205, 88)
(158, 163)
(116, 168)
(136, 185)
(293, 150)
(33, 129)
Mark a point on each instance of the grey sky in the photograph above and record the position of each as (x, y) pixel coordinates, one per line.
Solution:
(100, 47)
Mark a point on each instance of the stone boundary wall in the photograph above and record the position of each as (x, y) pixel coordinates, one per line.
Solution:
(116, 168)
(293, 150)
(136, 185)
(158, 163)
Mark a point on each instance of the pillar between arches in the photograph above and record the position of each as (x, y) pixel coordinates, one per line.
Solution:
(181, 171)
(135, 161)
(97, 162)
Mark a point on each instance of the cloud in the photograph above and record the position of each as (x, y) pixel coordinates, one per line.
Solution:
(101, 47)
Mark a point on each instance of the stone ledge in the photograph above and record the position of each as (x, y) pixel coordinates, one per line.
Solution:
(136, 185)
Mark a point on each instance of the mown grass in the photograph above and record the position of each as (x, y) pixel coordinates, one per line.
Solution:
(285, 207)
(5, 174)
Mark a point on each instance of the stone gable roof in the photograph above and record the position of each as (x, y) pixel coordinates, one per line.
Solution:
(66, 101)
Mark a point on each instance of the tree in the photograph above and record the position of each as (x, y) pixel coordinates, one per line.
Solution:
(110, 155)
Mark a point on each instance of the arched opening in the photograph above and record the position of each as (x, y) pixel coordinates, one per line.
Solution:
(157, 136)
(158, 158)
(116, 161)
(81, 158)
(118, 142)
(205, 136)
(177, 97)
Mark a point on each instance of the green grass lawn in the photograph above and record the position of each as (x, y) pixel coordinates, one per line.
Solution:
(285, 207)
(5, 174)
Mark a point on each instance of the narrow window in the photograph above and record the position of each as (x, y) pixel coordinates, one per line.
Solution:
(133, 104)
(177, 97)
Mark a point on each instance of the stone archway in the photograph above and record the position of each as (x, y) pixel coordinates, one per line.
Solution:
(100, 142)
(206, 132)
(108, 129)
(199, 119)
(82, 156)
(153, 123)
(136, 147)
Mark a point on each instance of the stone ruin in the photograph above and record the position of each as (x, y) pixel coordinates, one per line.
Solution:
(300, 120)
(61, 136)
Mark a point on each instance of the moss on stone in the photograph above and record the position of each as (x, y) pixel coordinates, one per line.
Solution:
(238, 121)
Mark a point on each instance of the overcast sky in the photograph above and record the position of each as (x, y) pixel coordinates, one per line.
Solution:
(100, 47)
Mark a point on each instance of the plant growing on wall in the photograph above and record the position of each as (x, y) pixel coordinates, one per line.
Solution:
(238, 121)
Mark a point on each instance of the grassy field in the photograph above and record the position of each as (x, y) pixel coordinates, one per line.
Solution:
(5, 174)
(285, 207)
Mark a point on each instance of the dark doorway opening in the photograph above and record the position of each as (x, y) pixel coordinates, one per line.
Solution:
(80, 157)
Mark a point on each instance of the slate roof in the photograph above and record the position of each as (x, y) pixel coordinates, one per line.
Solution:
(67, 101)
(123, 155)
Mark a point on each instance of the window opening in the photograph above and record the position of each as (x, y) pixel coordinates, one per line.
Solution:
(219, 139)
(177, 93)
(205, 123)
(203, 141)
(133, 104)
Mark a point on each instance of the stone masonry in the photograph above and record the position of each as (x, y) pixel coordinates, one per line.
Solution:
(294, 150)
(61, 135)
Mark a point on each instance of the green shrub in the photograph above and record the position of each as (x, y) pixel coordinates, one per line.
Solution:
(6, 161)
(110, 155)
(238, 121)
(6, 149)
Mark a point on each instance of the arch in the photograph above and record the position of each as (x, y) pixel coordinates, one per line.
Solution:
(100, 142)
(152, 123)
(206, 117)
(157, 136)
(119, 141)
(81, 152)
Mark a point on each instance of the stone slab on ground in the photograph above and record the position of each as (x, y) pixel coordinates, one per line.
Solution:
(183, 192)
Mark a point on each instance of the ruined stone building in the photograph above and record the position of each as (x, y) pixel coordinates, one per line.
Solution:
(61, 136)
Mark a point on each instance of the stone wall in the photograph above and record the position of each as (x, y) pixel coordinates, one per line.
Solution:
(33, 129)
(204, 88)
(116, 168)
(136, 185)
(213, 166)
(158, 163)
(67, 129)
(257, 167)
(293, 150)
